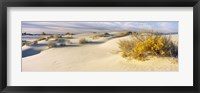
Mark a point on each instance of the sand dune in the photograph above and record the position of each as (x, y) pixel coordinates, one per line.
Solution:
(34, 49)
(92, 57)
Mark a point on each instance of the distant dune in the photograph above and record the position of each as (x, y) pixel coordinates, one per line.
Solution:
(103, 56)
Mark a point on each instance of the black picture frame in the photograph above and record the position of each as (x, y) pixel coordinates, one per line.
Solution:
(98, 3)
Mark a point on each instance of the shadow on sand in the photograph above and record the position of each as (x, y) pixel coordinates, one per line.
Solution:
(37, 48)
(34, 49)
(39, 45)
(30, 52)
(94, 42)
(68, 45)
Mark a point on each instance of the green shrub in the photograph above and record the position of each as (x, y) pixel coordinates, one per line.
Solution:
(40, 39)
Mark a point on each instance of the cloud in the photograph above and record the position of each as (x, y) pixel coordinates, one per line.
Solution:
(63, 27)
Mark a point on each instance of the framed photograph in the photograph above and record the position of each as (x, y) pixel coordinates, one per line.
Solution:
(135, 46)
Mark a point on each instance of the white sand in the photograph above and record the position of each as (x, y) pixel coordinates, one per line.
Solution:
(93, 57)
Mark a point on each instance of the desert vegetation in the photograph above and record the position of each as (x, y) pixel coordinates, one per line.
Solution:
(23, 43)
(103, 34)
(35, 42)
(122, 34)
(68, 41)
(49, 37)
(141, 46)
(43, 33)
(82, 41)
(56, 37)
(28, 43)
(69, 33)
(41, 38)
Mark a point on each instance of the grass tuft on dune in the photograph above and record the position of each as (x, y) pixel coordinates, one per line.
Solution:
(83, 41)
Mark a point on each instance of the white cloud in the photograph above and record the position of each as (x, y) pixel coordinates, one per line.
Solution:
(62, 27)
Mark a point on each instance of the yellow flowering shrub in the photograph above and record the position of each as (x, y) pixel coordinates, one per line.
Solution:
(142, 46)
(126, 47)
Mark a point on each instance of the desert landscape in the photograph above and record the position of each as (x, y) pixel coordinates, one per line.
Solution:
(142, 50)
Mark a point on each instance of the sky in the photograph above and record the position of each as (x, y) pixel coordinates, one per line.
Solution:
(53, 27)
